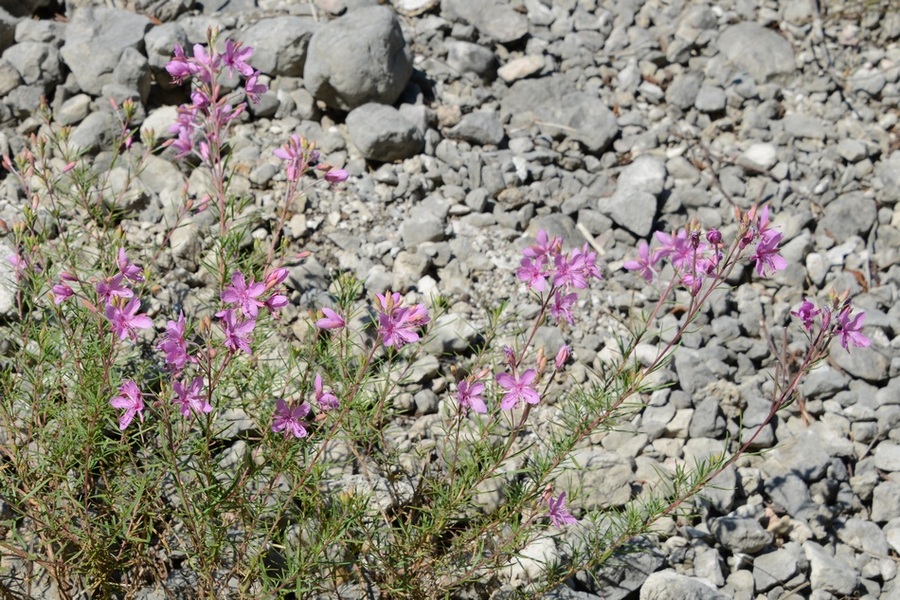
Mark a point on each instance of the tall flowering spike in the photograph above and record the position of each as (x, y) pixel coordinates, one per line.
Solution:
(131, 401)
(468, 394)
(518, 389)
(290, 419)
(558, 514)
(125, 321)
(849, 328)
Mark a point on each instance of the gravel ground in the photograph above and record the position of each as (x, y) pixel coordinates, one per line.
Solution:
(468, 125)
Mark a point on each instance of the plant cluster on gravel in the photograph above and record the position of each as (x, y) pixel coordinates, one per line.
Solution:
(115, 408)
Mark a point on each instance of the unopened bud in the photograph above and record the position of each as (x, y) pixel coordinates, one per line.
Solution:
(561, 357)
(714, 237)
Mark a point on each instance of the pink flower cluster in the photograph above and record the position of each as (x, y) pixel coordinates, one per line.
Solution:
(696, 258)
(300, 156)
(546, 268)
(202, 122)
(397, 324)
(239, 320)
(846, 325)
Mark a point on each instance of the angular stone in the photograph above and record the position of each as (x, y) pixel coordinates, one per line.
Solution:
(490, 17)
(762, 52)
(381, 133)
(279, 44)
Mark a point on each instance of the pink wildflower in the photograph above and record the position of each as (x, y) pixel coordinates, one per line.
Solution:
(131, 400)
(237, 333)
(558, 514)
(244, 294)
(530, 272)
(766, 256)
(518, 389)
(126, 320)
(645, 262)
(397, 324)
(191, 398)
(289, 419)
(850, 328)
(468, 395)
(61, 293)
(806, 313)
(326, 400)
(254, 89)
(562, 305)
(335, 176)
(561, 357)
(112, 287)
(332, 320)
(130, 271)
(298, 155)
(235, 59)
(174, 345)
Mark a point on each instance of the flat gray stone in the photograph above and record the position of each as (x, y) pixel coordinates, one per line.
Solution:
(849, 214)
(632, 209)
(885, 501)
(710, 99)
(665, 585)
(887, 456)
(762, 52)
(490, 17)
(381, 133)
(560, 110)
(480, 128)
(741, 535)
(466, 57)
(778, 567)
(358, 58)
(828, 574)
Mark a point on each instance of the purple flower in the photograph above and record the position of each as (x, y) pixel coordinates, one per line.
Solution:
(276, 302)
(849, 328)
(326, 400)
(530, 272)
(569, 271)
(561, 307)
(131, 400)
(276, 277)
(806, 313)
(299, 156)
(179, 67)
(61, 293)
(469, 396)
(289, 419)
(558, 514)
(126, 320)
(677, 246)
(254, 89)
(129, 271)
(645, 262)
(175, 346)
(335, 176)
(191, 398)
(244, 294)
(111, 287)
(561, 357)
(237, 333)
(518, 389)
(332, 320)
(397, 324)
(544, 246)
(235, 59)
(766, 256)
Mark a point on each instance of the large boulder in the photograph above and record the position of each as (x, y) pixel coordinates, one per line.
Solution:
(358, 58)
(279, 44)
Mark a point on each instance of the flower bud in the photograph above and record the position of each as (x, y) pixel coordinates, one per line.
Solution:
(561, 357)
(714, 237)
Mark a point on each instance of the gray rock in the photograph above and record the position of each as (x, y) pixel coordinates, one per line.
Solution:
(604, 478)
(740, 534)
(159, 44)
(683, 90)
(421, 226)
(95, 41)
(490, 17)
(358, 58)
(790, 493)
(864, 363)
(96, 132)
(560, 110)
(867, 79)
(451, 334)
(620, 576)
(885, 501)
(779, 567)
(802, 455)
(466, 57)
(7, 29)
(849, 214)
(665, 585)
(633, 209)
(9, 77)
(73, 110)
(887, 457)
(24, 100)
(708, 420)
(381, 133)
(864, 536)
(36, 62)
(48, 32)
(710, 99)
(133, 72)
(803, 126)
(760, 51)
(827, 573)
(9, 286)
(480, 128)
(279, 44)
(887, 172)
(852, 150)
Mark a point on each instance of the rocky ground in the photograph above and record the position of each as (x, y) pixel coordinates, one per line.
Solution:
(467, 125)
